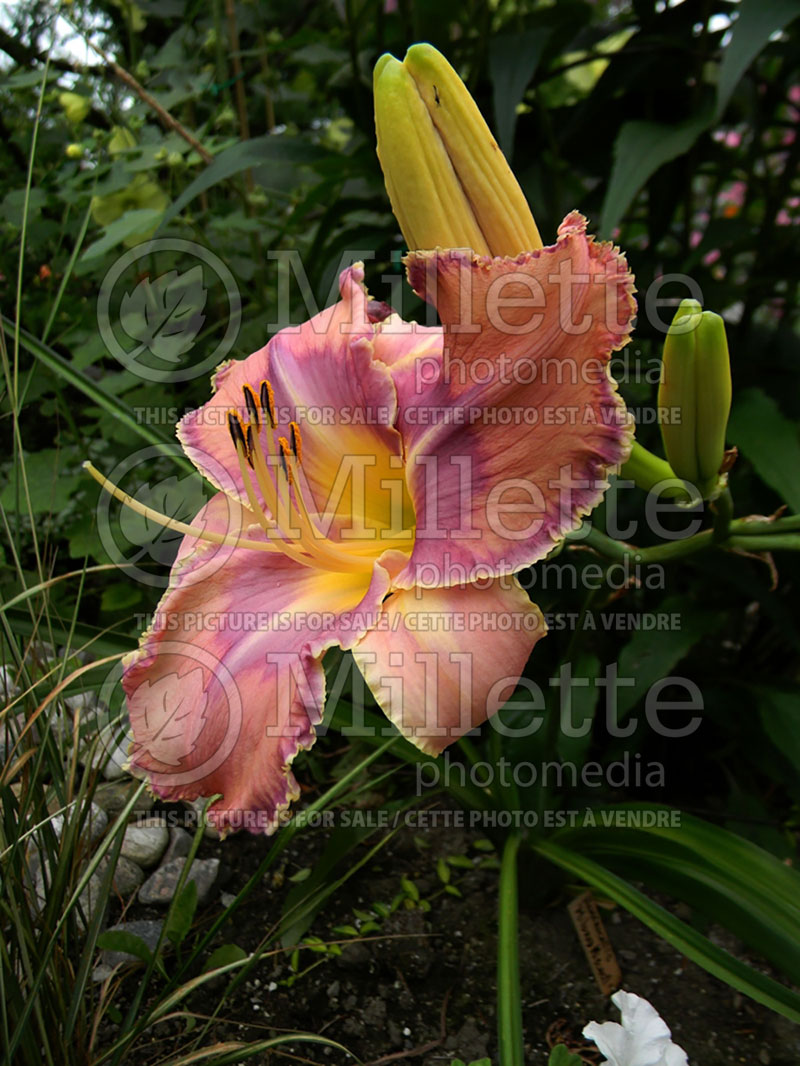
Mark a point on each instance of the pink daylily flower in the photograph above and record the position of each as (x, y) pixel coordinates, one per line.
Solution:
(379, 484)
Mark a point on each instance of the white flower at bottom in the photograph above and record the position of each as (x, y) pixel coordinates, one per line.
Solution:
(642, 1039)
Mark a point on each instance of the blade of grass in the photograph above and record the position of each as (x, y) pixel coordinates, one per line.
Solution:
(44, 960)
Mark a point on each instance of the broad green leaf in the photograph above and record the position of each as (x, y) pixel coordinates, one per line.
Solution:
(49, 487)
(650, 656)
(756, 21)
(13, 203)
(181, 914)
(683, 937)
(580, 709)
(272, 150)
(780, 714)
(25, 79)
(769, 440)
(727, 878)
(640, 149)
(513, 59)
(300, 876)
(140, 221)
(119, 940)
(562, 1056)
(120, 596)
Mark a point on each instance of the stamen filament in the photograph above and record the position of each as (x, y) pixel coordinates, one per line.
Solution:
(277, 501)
(269, 528)
(233, 540)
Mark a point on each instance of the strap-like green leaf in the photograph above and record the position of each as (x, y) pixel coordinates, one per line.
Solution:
(691, 943)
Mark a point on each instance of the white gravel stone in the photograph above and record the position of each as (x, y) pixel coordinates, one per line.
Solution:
(160, 886)
(112, 796)
(94, 826)
(128, 877)
(180, 844)
(144, 843)
(147, 931)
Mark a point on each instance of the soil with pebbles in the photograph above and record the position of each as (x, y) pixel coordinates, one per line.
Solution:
(422, 990)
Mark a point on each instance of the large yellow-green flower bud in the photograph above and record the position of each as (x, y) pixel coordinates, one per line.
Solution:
(696, 385)
(449, 183)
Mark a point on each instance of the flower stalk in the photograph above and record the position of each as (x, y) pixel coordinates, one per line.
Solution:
(648, 471)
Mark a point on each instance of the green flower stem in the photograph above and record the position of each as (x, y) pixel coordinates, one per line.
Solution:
(509, 1001)
(748, 526)
(723, 514)
(775, 542)
(750, 536)
(620, 552)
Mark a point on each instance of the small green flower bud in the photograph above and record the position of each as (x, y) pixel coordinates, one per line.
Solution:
(696, 391)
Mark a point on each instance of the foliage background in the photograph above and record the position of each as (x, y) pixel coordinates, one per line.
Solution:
(676, 144)
(589, 100)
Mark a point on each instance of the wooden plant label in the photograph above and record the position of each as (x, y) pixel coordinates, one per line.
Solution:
(596, 945)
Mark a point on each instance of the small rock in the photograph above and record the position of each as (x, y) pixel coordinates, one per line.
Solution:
(113, 796)
(410, 951)
(108, 752)
(86, 703)
(469, 1041)
(197, 806)
(94, 824)
(144, 843)
(94, 897)
(83, 657)
(180, 844)
(147, 931)
(373, 1012)
(160, 886)
(128, 876)
(395, 1033)
(354, 957)
(227, 899)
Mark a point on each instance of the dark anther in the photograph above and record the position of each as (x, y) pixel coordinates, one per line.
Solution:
(236, 431)
(268, 402)
(252, 405)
